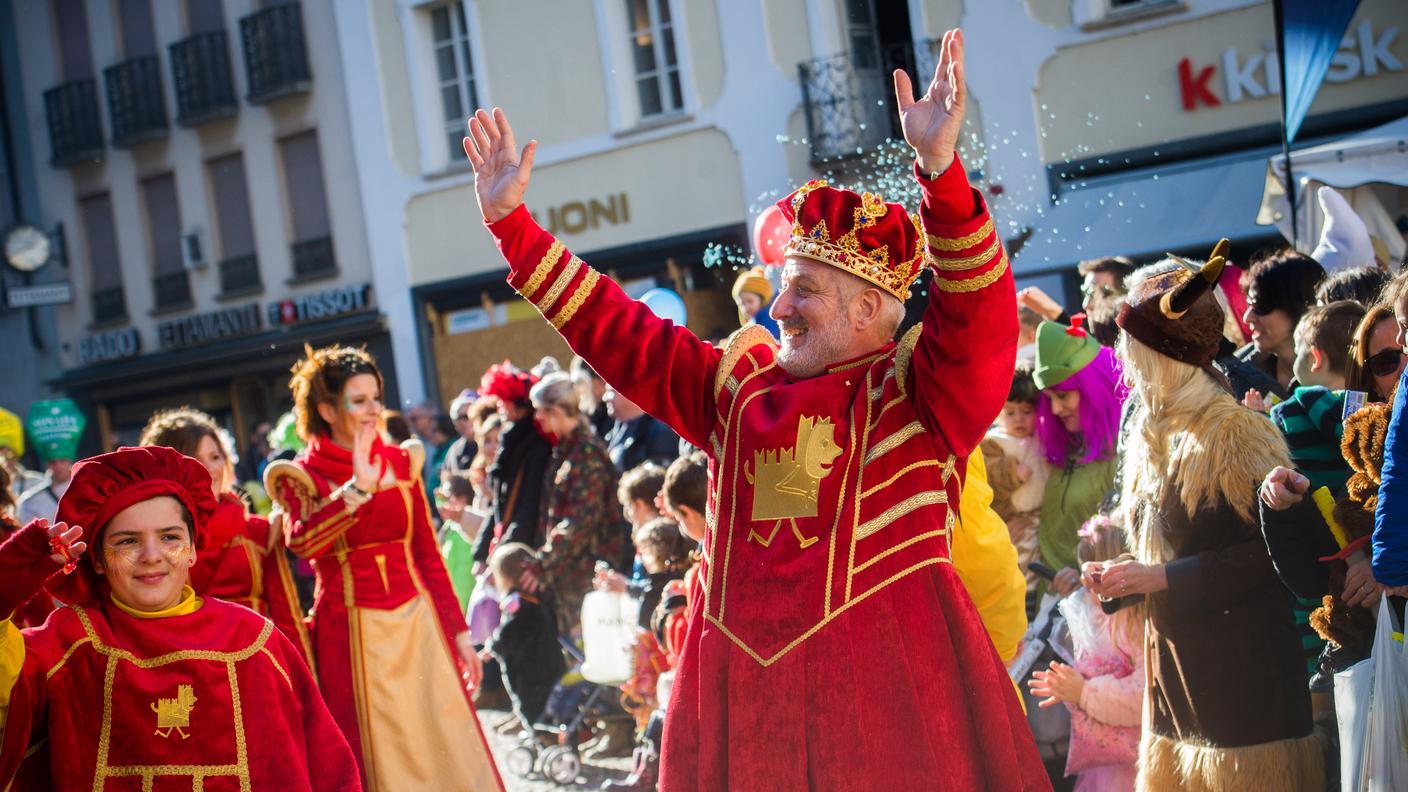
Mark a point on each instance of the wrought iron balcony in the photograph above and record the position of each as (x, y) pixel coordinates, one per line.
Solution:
(173, 290)
(75, 131)
(239, 275)
(850, 99)
(135, 103)
(109, 306)
(275, 53)
(200, 72)
(313, 258)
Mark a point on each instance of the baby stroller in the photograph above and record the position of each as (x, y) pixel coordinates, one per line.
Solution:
(604, 663)
(1046, 639)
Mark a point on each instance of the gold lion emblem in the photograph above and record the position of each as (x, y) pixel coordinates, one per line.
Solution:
(786, 481)
(174, 714)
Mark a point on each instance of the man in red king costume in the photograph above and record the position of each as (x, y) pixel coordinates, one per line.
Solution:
(831, 644)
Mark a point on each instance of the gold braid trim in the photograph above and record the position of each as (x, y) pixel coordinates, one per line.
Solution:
(967, 262)
(540, 272)
(953, 244)
(574, 304)
(560, 285)
(887, 517)
(893, 441)
(974, 284)
(737, 345)
(172, 657)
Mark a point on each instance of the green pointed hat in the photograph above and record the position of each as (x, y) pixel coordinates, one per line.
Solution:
(1062, 351)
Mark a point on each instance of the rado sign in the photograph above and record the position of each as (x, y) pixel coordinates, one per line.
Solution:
(112, 345)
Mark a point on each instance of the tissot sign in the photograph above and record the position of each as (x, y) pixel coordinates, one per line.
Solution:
(1365, 52)
(320, 305)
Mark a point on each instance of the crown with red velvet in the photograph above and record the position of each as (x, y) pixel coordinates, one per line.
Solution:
(857, 232)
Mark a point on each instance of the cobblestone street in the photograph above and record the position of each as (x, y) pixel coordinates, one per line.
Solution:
(590, 778)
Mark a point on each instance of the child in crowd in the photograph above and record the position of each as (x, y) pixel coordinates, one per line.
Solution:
(637, 494)
(525, 642)
(682, 498)
(1105, 689)
(459, 527)
(1312, 418)
(1017, 467)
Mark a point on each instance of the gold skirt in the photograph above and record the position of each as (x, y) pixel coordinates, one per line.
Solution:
(419, 731)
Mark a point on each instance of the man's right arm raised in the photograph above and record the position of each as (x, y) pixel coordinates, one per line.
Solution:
(661, 367)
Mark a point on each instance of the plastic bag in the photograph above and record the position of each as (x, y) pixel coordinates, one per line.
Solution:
(1371, 699)
(1093, 742)
(609, 625)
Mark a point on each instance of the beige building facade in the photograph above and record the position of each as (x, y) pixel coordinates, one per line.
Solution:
(196, 156)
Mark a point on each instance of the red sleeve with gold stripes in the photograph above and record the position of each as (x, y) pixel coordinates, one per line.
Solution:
(313, 524)
(970, 326)
(660, 366)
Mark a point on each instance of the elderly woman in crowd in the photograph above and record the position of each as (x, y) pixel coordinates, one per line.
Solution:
(581, 519)
(1078, 422)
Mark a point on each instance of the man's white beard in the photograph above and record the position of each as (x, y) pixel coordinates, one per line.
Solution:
(823, 346)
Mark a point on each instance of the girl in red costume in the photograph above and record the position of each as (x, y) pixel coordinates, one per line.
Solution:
(140, 683)
(241, 555)
(392, 648)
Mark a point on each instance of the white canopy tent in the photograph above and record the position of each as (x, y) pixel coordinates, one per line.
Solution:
(1369, 169)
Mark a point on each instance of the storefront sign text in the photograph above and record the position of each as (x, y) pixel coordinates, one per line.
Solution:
(1362, 53)
(112, 345)
(574, 217)
(208, 327)
(320, 305)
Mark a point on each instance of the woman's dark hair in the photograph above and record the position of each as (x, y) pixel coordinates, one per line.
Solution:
(397, 427)
(319, 379)
(1285, 280)
(182, 429)
(1361, 284)
(457, 483)
(1356, 370)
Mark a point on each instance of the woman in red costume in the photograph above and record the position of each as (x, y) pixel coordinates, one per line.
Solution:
(392, 648)
(140, 683)
(241, 555)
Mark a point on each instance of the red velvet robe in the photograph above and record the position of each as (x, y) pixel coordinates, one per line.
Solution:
(837, 650)
(241, 560)
(369, 564)
(218, 694)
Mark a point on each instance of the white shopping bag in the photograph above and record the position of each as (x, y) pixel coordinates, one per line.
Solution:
(609, 627)
(1374, 752)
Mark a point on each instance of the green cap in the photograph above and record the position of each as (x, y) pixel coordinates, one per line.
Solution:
(56, 425)
(1061, 352)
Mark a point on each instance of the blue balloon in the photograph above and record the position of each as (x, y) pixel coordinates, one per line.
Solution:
(666, 305)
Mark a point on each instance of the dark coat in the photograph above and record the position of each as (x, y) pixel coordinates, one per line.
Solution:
(640, 440)
(525, 644)
(1224, 657)
(517, 477)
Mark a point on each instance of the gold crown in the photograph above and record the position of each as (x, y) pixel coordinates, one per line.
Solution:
(845, 252)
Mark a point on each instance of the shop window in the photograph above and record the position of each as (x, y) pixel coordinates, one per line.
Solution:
(454, 73)
(654, 57)
(312, 251)
(109, 305)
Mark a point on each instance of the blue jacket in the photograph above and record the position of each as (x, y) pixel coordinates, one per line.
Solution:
(1391, 516)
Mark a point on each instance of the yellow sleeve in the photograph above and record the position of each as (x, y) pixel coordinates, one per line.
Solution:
(11, 661)
(986, 562)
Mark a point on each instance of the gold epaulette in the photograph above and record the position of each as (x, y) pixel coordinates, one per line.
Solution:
(414, 449)
(290, 486)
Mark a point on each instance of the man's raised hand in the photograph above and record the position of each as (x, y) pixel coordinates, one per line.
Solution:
(931, 124)
(500, 172)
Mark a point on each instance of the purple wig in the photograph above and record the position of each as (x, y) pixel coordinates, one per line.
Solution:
(1102, 394)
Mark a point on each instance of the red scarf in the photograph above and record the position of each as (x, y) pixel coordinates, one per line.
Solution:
(334, 463)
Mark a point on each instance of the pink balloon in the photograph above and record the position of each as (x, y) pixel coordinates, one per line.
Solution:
(770, 234)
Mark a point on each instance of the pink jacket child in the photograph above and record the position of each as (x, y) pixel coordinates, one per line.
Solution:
(1109, 652)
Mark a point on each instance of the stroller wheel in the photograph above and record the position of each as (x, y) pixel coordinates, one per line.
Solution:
(561, 765)
(520, 760)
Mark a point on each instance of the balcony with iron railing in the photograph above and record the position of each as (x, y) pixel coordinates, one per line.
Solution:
(313, 259)
(173, 291)
(109, 306)
(275, 53)
(239, 276)
(75, 131)
(135, 102)
(850, 98)
(200, 73)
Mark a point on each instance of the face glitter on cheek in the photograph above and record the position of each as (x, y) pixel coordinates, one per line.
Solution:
(122, 560)
(178, 556)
